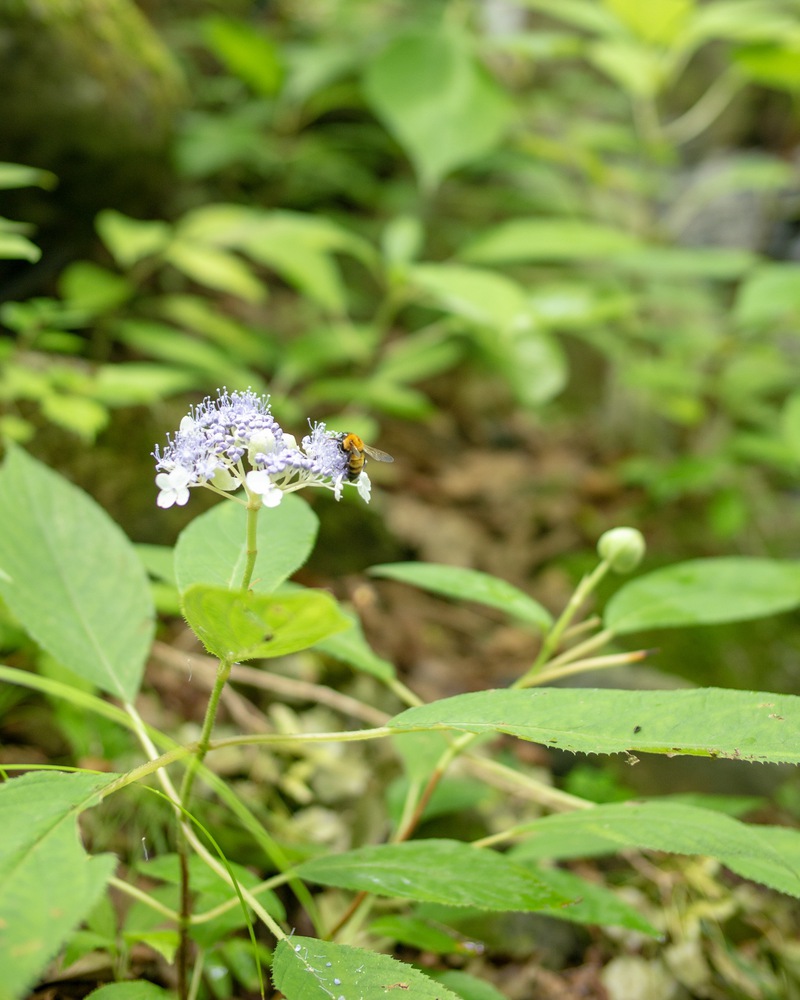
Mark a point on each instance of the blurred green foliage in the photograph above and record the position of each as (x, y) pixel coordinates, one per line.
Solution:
(562, 202)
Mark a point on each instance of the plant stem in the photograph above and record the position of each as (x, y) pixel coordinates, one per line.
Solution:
(223, 670)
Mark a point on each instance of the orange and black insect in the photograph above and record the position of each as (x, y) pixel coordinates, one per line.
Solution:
(357, 451)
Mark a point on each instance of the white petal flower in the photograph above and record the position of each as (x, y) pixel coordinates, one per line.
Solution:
(259, 482)
(173, 487)
(364, 487)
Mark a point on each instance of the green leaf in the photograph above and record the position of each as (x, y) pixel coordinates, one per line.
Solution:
(742, 725)
(468, 987)
(437, 102)
(72, 577)
(244, 626)
(770, 295)
(16, 247)
(308, 969)
(87, 286)
(418, 933)
(548, 240)
(751, 851)
(215, 268)
(790, 424)
(213, 548)
(434, 871)
(131, 240)
(478, 296)
(245, 52)
(705, 592)
(530, 360)
(297, 246)
(351, 647)
(468, 585)
(15, 175)
(138, 990)
(49, 884)
(593, 903)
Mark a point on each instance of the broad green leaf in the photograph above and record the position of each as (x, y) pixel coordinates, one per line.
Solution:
(714, 263)
(299, 247)
(554, 240)
(660, 22)
(87, 286)
(13, 246)
(137, 383)
(245, 626)
(705, 592)
(593, 903)
(478, 296)
(168, 344)
(138, 990)
(530, 360)
(15, 175)
(790, 424)
(468, 987)
(639, 70)
(715, 722)
(439, 104)
(309, 969)
(418, 933)
(434, 871)
(751, 851)
(245, 52)
(468, 585)
(131, 240)
(772, 64)
(49, 883)
(351, 647)
(215, 268)
(771, 294)
(72, 577)
(213, 548)
(419, 356)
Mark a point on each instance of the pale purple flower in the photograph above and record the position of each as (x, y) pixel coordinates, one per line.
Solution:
(233, 441)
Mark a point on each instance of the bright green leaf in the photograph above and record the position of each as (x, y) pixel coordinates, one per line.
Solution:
(246, 52)
(309, 969)
(215, 268)
(434, 871)
(49, 883)
(478, 296)
(138, 990)
(547, 240)
(593, 904)
(468, 585)
(705, 592)
(16, 247)
(15, 175)
(87, 286)
(770, 295)
(245, 626)
(131, 240)
(742, 725)
(213, 548)
(72, 577)
(351, 647)
(751, 851)
(439, 104)
(467, 986)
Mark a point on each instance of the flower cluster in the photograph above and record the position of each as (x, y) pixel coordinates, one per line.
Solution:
(234, 441)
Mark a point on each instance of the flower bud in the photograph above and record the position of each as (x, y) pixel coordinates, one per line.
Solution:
(622, 548)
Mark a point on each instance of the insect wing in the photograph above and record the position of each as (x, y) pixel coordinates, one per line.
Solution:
(377, 454)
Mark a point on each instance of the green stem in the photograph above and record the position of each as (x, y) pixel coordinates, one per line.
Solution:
(582, 591)
(253, 507)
